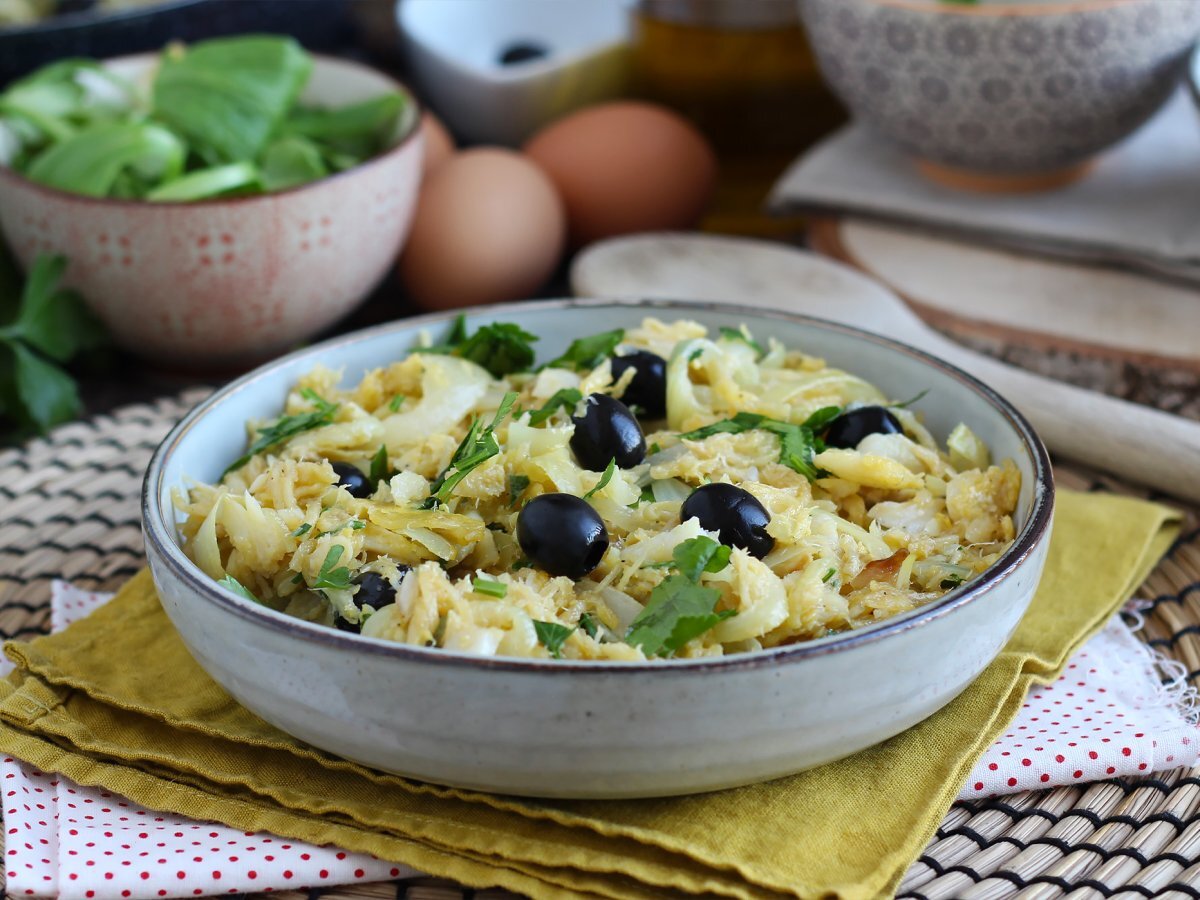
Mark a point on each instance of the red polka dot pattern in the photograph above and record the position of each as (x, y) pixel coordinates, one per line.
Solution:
(1106, 716)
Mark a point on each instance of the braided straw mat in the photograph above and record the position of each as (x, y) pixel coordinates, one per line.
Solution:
(69, 509)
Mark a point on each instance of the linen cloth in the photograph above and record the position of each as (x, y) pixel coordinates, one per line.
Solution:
(1136, 207)
(77, 707)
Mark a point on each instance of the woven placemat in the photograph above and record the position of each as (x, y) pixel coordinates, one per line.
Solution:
(69, 509)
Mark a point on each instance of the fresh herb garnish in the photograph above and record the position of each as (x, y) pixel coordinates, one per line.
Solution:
(302, 530)
(552, 636)
(798, 444)
(501, 347)
(653, 448)
(695, 354)
(825, 578)
(680, 608)
(380, 471)
(589, 352)
(516, 487)
(477, 447)
(604, 479)
(564, 398)
(647, 496)
(909, 402)
(287, 427)
(523, 563)
(397, 402)
(741, 334)
(330, 576)
(44, 325)
(489, 587)
(589, 625)
(952, 581)
(232, 584)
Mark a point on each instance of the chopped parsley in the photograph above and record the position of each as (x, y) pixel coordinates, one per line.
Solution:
(380, 471)
(332, 577)
(516, 487)
(589, 352)
(604, 479)
(302, 530)
(522, 563)
(501, 347)
(397, 402)
(798, 444)
(489, 587)
(653, 448)
(552, 636)
(566, 398)
(952, 581)
(477, 447)
(825, 578)
(743, 334)
(232, 584)
(287, 427)
(680, 608)
(909, 402)
(589, 625)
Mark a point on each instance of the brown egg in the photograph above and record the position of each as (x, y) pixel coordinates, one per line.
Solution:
(625, 167)
(439, 145)
(489, 226)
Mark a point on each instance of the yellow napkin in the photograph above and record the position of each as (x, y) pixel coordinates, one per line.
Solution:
(115, 700)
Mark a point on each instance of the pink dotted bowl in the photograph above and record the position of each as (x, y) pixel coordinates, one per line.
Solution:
(223, 283)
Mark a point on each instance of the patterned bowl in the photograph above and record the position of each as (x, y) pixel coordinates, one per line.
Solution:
(999, 95)
(223, 283)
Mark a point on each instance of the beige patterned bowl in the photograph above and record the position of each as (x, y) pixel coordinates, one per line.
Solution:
(560, 728)
(999, 95)
(228, 282)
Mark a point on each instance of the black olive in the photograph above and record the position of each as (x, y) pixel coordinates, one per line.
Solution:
(851, 427)
(737, 517)
(607, 430)
(562, 534)
(649, 386)
(373, 590)
(352, 479)
(522, 51)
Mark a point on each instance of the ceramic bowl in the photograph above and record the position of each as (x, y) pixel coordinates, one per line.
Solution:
(1002, 95)
(229, 282)
(597, 728)
(455, 51)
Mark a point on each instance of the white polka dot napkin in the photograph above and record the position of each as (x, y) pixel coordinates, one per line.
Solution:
(1108, 715)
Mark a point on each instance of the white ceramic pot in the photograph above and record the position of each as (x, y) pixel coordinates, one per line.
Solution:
(228, 282)
(597, 729)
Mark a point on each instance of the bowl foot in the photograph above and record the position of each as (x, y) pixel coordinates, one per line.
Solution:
(1000, 183)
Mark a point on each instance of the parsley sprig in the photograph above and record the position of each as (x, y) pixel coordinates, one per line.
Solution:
(232, 584)
(332, 576)
(552, 636)
(604, 479)
(287, 427)
(680, 608)
(798, 444)
(501, 347)
(589, 352)
(477, 447)
(564, 398)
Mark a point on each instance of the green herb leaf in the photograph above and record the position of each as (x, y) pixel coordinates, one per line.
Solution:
(647, 495)
(825, 578)
(698, 555)
(589, 625)
(302, 530)
(909, 402)
(516, 487)
(232, 584)
(589, 352)
(743, 335)
(477, 447)
(51, 319)
(653, 448)
(552, 636)
(678, 611)
(952, 581)
(331, 577)
(797, 443)
(89, 162)
(501, 348)
(47, 393)
(228, 96)
(204, 183)
(288, 427)
(489, 587)
(397, 402)
(564, 398)
(822, 417)
(380, 470)
(522, 563)
(604, 479)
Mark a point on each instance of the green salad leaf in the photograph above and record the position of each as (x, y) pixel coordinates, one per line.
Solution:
(290, 161)
(212, 182)
(91, 160)
(358, 129)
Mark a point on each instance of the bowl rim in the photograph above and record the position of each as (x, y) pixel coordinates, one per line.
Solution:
(161, 545)
(1006, 8)
(413, 131)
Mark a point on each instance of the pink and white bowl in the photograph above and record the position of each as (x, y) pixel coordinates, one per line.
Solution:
(223, 283)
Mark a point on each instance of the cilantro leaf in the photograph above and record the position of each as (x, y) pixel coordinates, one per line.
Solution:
(287, 427)
(820, 419)
(232, 584)
(380, 470)
(331, 577)
(47, 393)
(516, 487)
(698, 555)
(604, 479)
(678, 611)
(743, 335)
(588, 352)
(552, 636)
(489, 587)
(501, 348)
(477, 447)
(564, 398)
